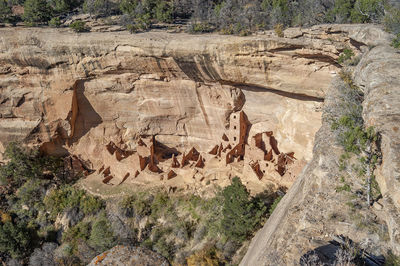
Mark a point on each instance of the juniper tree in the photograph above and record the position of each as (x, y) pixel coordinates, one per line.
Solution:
(240, 212)
(5, 11)
(36, 11)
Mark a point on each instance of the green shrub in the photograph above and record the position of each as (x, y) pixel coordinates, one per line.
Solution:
(200, 28)
(340, 12)
(163, 11)
(227, 30)
(164, 248)
(358, 141)
(101, 235)
(132, 28)
(90, 204)
(55, 22)
(32, 193)
(274, 204)
(141, 24)
(147, 243)
(161, 204)
(353, 137)
(365, 11)
(279, 10)
(89, 237)
(25, 165)
(396, 42)
(375, 189)
(346, 55)
(240, 213)
(5, 11)
(355, 94)
(67, 197)
(212, 214)
(278, 28)
(97, 7)
(128, 6)
(64, 6)
(244, 32)
(345, 187)
(142, 12)
(391, 20)
(139, 203)
(15, 240)
(80, 231)
(78, 26)
(60, 199)
(36, 11)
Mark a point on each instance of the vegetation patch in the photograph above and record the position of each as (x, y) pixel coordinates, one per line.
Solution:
(224, 222)
(41, 208)
(346, 55)
(78, 26)
(396, 42)
(226, 16)
(35, 193)
(203, 28)
(275, 204)
(360, 143)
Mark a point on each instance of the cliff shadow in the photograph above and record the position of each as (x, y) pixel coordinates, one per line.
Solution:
(258, 88)
(198, 68)
(87, 117)
(163, 152)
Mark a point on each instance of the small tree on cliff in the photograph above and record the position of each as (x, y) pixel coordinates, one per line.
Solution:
(36, 11)
(241, 213)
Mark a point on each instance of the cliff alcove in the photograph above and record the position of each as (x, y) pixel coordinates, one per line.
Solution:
(157, 97)
(187, 113)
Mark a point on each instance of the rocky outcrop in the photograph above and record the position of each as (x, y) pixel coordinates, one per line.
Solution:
(183, 111)
(313, 210)
(78, 94)
(379, 74)
(127, 255)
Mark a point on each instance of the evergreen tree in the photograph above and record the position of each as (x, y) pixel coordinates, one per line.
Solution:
(14, 239)
(63, 6)
(5, 11)
(101, 236)
(36, 11)
(128, 6)
(241, 213)
(365, 11)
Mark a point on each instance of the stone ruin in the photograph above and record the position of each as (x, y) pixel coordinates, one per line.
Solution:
(259, 152)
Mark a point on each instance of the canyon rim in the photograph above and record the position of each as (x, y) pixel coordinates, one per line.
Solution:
(187, 113)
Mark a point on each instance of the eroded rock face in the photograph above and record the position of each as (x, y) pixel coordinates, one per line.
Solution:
(126, 255)
(379, 73)
(313, 210)
(77, 93)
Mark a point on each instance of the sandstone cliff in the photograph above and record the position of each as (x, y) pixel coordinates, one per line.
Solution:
(98, 96)
(177, 110)
(313, 210)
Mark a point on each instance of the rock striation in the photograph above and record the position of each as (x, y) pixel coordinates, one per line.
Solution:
(99, 96)
(313, 211)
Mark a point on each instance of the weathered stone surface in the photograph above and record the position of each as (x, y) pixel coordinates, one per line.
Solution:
(127, 255)
(313, 211)
(379, 74)
(77, 93)
(72, 93)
